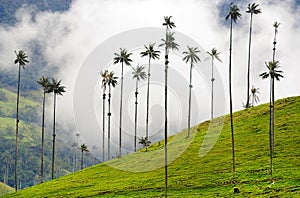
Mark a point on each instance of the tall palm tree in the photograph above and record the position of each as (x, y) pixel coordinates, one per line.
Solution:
(83, 148)
(273, 73)
(57, 89)
(152, 54)
(103, 85)
(254, 96)
(138, 74)
(44, 82)
(214, 55)
(21, 59)
(272, 114)
(122, 58)
(168, 43)
(234, 15)
(111, 82)
(252, 9)
(191, 55)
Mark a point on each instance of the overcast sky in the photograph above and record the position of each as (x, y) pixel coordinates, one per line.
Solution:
(68, 38)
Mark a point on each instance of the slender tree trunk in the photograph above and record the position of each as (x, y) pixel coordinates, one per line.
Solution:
(253, 99)
(166, 117)
(212, 89)
(230, 102)
(249, 53)
(190, 100)
(43, 137)
(270, 134)
(81, 160)
(54, 135)
(108, 129)
(271, 125)
(148, 98)
(121, 104)
(135, 117)
(103, 124)
(17, 131)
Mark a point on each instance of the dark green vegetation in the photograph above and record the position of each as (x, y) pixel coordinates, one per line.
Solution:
(30, 141)
(194, 176)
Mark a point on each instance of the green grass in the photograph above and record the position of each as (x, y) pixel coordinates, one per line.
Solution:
(193, 176)
(4, 189)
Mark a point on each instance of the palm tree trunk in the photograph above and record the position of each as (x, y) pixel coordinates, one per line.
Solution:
(190, 101)
(135, 117)
(270, 134)
(81, 159)
(249, 53)
(121, 103)
(212, 88)
(108, 129)
(166, 117)
(17, 130)
(230, 103)
(103, 124)
(253, 95)
(43, 137)
(272, 116)
(54, 135)
(148, 98)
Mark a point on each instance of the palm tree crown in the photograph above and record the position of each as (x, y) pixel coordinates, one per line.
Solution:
(123, 57)
(169, 43)
(44, 82)
(215, 54)
(234, 13)
(168, 23)
(104, 78)
(252, 8)
(21, 58)
(191, 55)
(139, 73)
(273, 71)
(153, 54)
(254, 92)
(111, 79)
(56, 87)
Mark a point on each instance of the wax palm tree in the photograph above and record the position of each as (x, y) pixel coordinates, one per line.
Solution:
(252, 9)
(138, 74)
(103, 85)
(144, 141)
(21, 59)
(122, 58)
(214, 54)
(83, 148)
(273, 73)
(275, 25)
(234, 15)
(111, 82)
(169, 44)
(254, 96)
(191, 55)
(152, 54)
(57, 89)
(44, 82)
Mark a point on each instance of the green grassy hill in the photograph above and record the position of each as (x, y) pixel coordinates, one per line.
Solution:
(193, 176)
(4, 189)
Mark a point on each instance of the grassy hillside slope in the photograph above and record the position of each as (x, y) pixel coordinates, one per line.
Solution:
(4, 189)
(193, 176)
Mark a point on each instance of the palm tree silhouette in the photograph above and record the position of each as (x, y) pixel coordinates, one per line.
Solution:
(44, 82)
(21, 59)
(138, 74)
(273, 73)
(111, 82)
(234, 15)
(57, 89)
(123, 57)
(103, 85)
(152, 54)
(214, 54)
(83, 148)
(252, 9)
(191, 55)
(254, 96)
(169, 44)
(144, 141)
